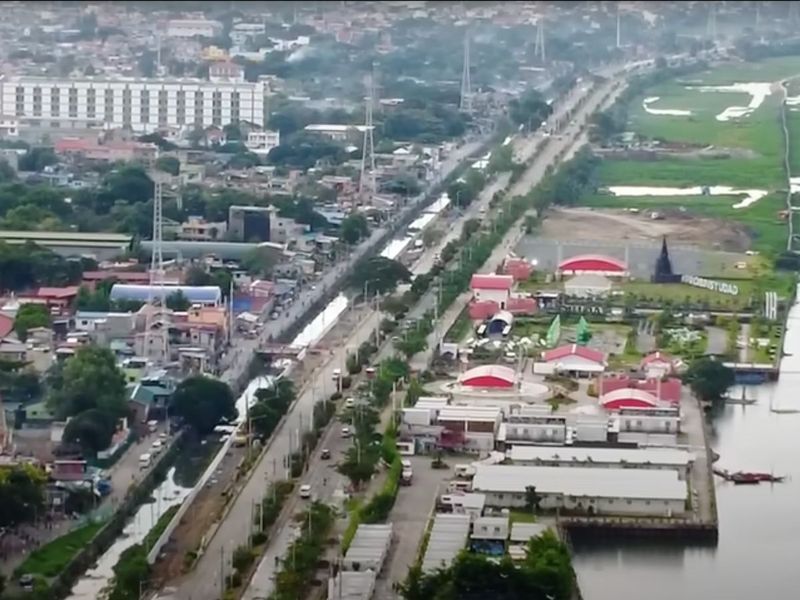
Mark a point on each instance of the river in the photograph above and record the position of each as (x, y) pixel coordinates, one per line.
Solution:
(759, 528)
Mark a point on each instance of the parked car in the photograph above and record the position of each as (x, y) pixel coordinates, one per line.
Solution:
(305, 491)
(325, 454)
(345, 432)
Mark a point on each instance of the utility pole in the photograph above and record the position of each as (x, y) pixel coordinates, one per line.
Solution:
(465, 104)
(619, 31)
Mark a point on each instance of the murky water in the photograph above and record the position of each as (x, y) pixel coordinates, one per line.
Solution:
(169, 493)
(759, 525)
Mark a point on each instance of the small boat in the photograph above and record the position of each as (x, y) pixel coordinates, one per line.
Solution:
(745, 478)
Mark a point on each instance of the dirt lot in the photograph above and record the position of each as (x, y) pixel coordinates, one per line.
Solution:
(617, 225)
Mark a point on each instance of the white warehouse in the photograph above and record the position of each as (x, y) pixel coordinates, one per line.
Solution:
(141, 105)
(586, 490)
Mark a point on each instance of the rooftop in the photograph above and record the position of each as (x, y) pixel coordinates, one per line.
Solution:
(448, 537)
(586, 482)
(637, 456)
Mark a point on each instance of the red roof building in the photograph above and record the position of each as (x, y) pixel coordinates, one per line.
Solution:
(58, 299)
(657, 364)
(574, 350)
(575, 360)
(493, 288)
(628, 398)
(6, 326)
(519, 268)
(489, 376)
(593, 263)
(666, 390)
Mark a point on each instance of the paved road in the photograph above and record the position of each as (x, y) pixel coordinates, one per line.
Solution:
(203, 582)
(744, 343)
(409, 517)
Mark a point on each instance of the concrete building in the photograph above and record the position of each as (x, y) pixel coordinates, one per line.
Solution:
(189, 28)
(492, 288)
(633, 492)
(225, 72)
(339, 133)
(603, 458)
(575, 360)
(199, 230)
(140, 105)
(469, 428)
(659, 425)
(588, 285)
(490, 528)
(532, 429)
(261, 142)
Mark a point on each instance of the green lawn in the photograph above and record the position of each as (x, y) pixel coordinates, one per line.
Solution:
(521, 516)
(50, 559)
(679, 293)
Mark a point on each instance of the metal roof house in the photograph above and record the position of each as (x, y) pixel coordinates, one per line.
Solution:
(207, 295)
(587, 490)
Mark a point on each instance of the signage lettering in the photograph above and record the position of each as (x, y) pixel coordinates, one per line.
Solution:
(723, 287)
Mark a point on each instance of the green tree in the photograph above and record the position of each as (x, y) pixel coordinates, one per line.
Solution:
(22, 494)
(532, 499)
(130, 573)
(530, 110)
(7, 173)
(93, 430)
(90, 379)
(709, 379)
(168, 164)
(177, 300)
(354, 228)
(30, 316)
(381, 275)
(36, 159)
(203, 402)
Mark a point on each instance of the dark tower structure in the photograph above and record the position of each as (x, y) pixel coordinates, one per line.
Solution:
(663, 271)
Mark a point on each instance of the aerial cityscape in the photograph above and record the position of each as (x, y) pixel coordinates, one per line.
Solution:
(401, 300)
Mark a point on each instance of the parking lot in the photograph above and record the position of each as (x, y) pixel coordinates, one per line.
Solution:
(409, 516)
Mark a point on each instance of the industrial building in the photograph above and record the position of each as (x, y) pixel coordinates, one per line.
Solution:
(592, 264)
(206, 295)
(603, 458)
(101, 245)
(140, 105)
(532, 429)
(586, 490)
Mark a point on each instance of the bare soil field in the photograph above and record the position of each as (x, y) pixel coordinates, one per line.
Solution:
(618, 225)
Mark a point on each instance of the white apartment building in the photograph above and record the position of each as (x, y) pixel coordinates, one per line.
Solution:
(188, 28)
(141, 105)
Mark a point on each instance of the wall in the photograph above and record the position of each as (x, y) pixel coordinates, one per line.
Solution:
(604, 506)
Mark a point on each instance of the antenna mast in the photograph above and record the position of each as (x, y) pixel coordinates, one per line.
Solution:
(366, 183)
(157, 293)
(466, 86)
(538, 47)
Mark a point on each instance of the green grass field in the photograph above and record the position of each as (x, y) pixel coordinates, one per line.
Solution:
(50, 559)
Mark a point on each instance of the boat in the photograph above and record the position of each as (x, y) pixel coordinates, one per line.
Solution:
(747, 478)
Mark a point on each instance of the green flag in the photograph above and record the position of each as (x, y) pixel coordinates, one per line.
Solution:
(554, 333)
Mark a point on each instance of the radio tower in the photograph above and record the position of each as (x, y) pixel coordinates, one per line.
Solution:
(366, 183)
(538, 47)
(157, 342)
(711, 26)
(466, 85)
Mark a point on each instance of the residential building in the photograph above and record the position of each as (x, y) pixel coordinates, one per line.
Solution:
(249, 223)
(225, 72)
(622, 391)
(339, 133)
(140, 105)
(492, 288)
(532, 429)
(198, 229)
(188, 28)
(658, 364)
(261, 142)
(490, 528)
(91, 150)
(149, 399)
(610, 491)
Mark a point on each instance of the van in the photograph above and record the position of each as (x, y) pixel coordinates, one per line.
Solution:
(406, 464)
(459, 486)
(145, 460)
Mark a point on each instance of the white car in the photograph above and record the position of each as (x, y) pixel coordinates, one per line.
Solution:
(305, 491)
(349, 403)
(157, 447)
(345, 432)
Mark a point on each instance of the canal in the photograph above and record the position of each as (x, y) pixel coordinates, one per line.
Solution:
(759, 528)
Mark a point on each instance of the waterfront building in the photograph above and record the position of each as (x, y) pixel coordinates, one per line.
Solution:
(592, 491)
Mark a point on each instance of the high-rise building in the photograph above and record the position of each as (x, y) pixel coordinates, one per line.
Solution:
(141, 105)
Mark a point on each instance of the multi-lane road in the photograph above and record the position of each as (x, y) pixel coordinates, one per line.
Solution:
(204, 582)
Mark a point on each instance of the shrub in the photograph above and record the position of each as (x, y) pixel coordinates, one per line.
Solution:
(242, 558)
